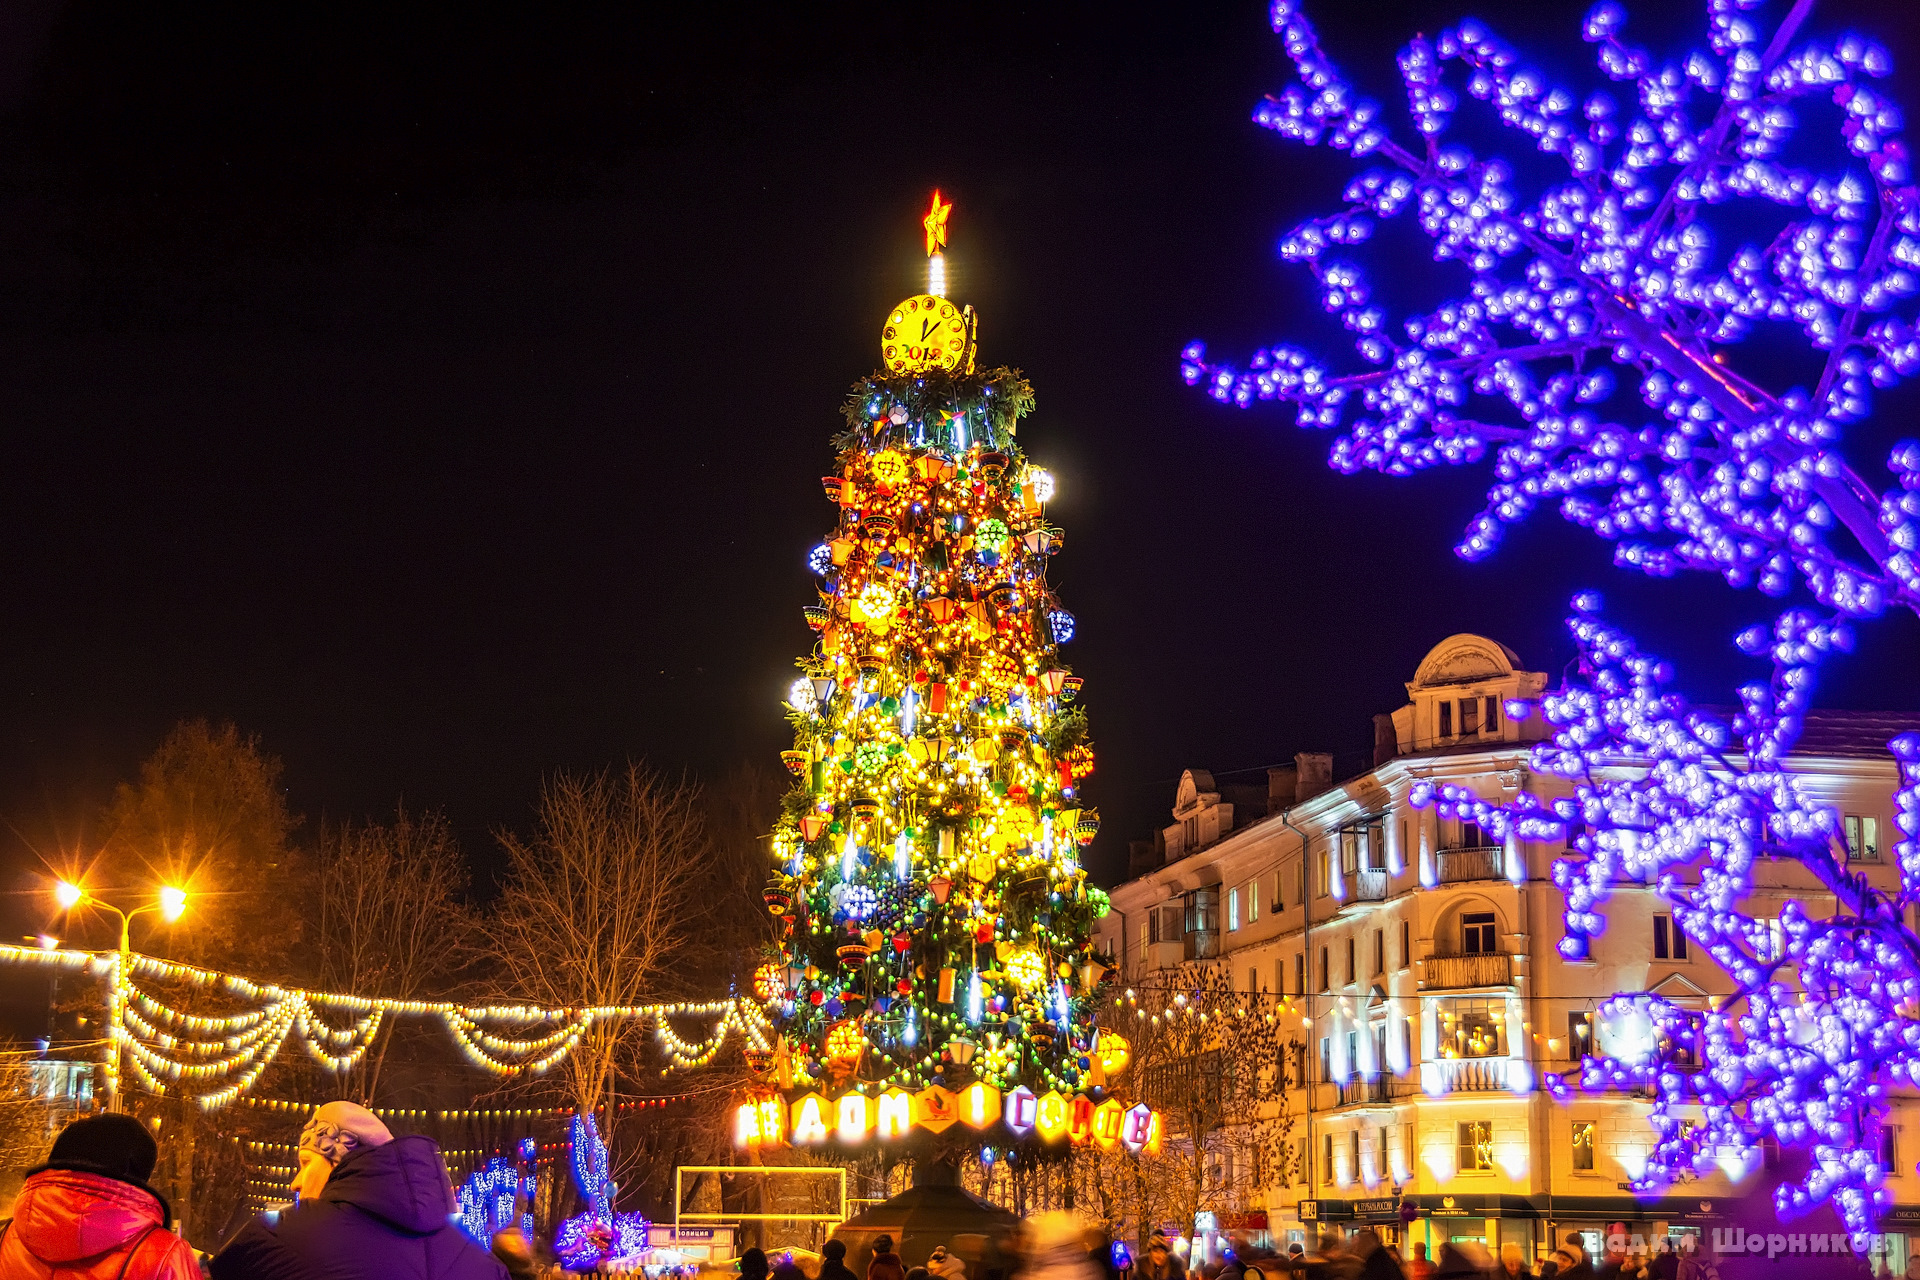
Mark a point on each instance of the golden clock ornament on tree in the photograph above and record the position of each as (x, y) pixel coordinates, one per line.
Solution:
(927, 332)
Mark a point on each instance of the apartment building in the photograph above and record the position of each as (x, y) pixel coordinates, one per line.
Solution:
(1421, 958)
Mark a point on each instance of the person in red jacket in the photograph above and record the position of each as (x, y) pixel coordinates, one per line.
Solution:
(88, 1213)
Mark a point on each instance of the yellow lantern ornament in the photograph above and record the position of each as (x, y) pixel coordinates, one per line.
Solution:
(1114, 1052)
(1026, 969)
(889, 468)
(846, 1045)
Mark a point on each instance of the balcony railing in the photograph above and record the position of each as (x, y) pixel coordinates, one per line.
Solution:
(1452, 973)
(1458, 865)
(1369, 886)
(1473, 1075)
(1381, 1089)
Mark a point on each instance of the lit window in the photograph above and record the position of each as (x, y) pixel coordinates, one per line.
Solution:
(1863, 838)
(1253, 899)
(1473, 1028)
(1583, 1145)
(1233, 909)
(1476, 1146)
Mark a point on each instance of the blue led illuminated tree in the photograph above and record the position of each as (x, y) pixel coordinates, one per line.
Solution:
(1638, 259)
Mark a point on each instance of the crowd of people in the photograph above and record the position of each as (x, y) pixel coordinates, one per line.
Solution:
(372, 1206)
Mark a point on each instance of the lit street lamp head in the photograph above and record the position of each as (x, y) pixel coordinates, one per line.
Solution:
(68, 895)
(173, 902)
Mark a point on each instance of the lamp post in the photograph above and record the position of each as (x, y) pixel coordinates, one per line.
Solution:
(171, 903)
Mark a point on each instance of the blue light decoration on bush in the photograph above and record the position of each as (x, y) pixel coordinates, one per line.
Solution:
(489, 1200)
(1062, 623)
(1591, 351)
(588, 1239)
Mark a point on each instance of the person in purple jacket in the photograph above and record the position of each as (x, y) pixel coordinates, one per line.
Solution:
(371, 1207)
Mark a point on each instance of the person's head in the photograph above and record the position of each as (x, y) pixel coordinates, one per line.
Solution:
(336, 1131)
(114, 1146)
(1366, 1242)
(1666, 1246)
(1576, 1243)
(919, 1273)
(1296, 1250)
(515, 1254)
(1512, 1258)
(1157, 1248)
(1330, 1243)
(753, 1263)
(939, 1254)
(883, 1244)
(835, 1249)
(1420, 1251)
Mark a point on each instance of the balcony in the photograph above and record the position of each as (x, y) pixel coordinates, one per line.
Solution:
(1471, 1075)
(1458, 866)
(1379, 1091)
(1465, 973)
(1369, 886)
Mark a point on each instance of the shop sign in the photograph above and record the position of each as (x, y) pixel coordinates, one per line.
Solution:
(1309, 1211)
(1383, 1210)
(1252, 1220)
(1449, 1207)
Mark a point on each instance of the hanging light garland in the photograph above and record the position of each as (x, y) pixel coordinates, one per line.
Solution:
(215, 1059)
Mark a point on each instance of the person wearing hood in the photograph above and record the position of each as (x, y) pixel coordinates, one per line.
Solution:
(370, 1207)
(88, 1213)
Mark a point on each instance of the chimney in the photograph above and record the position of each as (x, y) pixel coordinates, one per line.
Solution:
(1386, 740)
(1141, 858)
(1282, 782)
(1314, 774)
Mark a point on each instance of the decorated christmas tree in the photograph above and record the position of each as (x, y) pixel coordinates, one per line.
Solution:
(935, 915)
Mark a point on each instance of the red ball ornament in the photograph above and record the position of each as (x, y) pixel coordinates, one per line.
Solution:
(815, 997)
(901, 942)
(984, 934)
(904, 987)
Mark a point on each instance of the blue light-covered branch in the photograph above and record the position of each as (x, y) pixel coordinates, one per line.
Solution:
(1629, 264)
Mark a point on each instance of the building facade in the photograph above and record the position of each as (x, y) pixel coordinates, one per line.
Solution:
(1418, 959)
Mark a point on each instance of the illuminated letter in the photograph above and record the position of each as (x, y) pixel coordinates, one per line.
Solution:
(1107, 1119)
(1156, 1135)
(809, 1126)
(746, 1125)
(896, 1113)
(1019, 1113)
(773, 1120)
(1135, 1125)
(1050, 1116)
(980, 1105)
(853, 1117)
(1080, 1120)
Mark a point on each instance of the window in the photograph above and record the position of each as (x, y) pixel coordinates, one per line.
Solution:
(1353, 1054)
(1350, 850)
(1253, 899)
(1381, 1165)
(1300, 881)
(1469, 716)
(1326, 1059)
(1353, 974)
(1863, 838)
(1473, 1028)
(1406, 1145)
(1253, 980)
(1476, 1146)
(1406, 944)
(1474, 836)
(1890, 1148)
(1380, 1059)
(1325, 866)
(1477, 933)
(1379, 950)
(1280, 976)
(1668, 942)
(1326, 1158)
(1153, 926)
(1353, 1154)
(1446, 719)
(1300, 974)
(1299, 1064)
(1583, 1146)
(1233, 909)
(1492, 715)
(1770, 1153)
(1409, 1037)
(1326, 971)
(1579, 1035)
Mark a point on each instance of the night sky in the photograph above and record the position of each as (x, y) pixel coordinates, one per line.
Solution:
(441, 395)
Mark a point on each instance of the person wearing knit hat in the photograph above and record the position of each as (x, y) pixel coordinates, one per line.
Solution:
(336, 1131)
(88, 1213)
(371, 1207)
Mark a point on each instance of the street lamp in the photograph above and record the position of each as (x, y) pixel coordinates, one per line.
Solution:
(171, 904)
